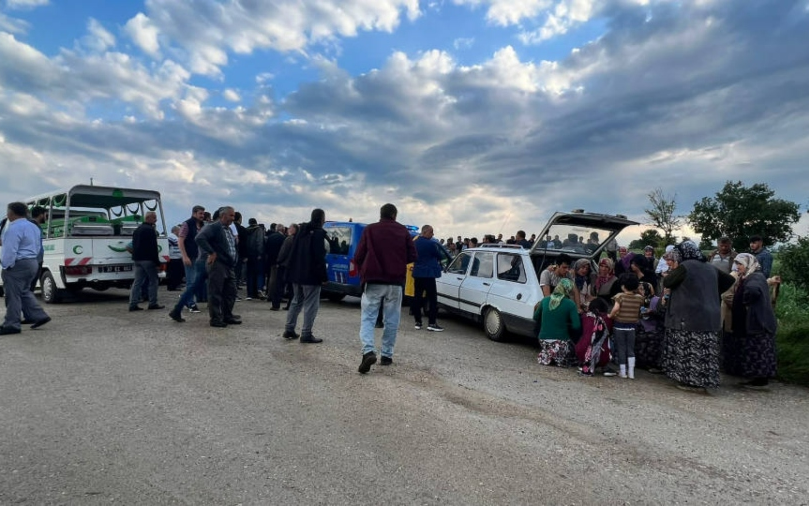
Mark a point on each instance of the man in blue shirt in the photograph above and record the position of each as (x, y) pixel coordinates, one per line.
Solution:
(22, 244)
(762, 254)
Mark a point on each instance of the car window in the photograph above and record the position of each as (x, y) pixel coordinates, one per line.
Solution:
(483, 265)
(460, 264)
(510, 268)
(339, 240)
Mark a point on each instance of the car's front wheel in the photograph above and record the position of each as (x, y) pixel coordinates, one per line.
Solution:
(493, 324)
(50, 293)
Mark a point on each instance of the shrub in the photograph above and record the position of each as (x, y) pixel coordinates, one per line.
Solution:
(793, 260)
(792, 341)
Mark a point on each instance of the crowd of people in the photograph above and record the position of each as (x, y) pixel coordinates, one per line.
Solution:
(689, 315)
(686, 314)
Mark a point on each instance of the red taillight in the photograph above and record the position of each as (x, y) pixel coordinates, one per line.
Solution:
(78, 270)
(352, 268)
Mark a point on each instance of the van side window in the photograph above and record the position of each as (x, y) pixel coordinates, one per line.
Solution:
(510, 268)
(483, 266)
(339, 240)
(459, 265)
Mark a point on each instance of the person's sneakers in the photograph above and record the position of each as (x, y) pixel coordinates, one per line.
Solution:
(368, 360)
(418, 326)
(610, 374)
(219, 324)
(4, 331)
(248, 298)
(311, 340)
(233, 321)
(434, 327)
(274, 308)
(290, 334)
(238, 299)
(194, 309)
(385, 360)
(41, 322)
(156, 306)
(135, 308)
(174, 315)
(27, 322)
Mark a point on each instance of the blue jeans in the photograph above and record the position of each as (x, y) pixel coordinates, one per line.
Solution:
(144, 270)
(190, 275)
(199, 276)
(372, 298)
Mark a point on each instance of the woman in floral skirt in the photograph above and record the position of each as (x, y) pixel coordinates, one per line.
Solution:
(558, 320)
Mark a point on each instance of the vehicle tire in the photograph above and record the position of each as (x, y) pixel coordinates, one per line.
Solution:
(334, 296)
(493, 324)
(2, 292)
(101, 288)
(50, 293)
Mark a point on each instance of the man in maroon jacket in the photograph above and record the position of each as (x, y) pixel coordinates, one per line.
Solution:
(382, 256)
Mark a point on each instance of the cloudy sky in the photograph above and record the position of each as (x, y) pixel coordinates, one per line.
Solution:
(478, 116)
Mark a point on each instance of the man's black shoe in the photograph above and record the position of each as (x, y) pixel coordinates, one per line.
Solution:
(27, 322)
(379, 325)
(236, 316)
(176, 316)
(233, 321)
(220, 325)
(4, 331)
(41, 322)
(386, 361)
(311, 340)
(156, 306)
(290, 334)
(368, 360)
(275, 308)
(135, 308)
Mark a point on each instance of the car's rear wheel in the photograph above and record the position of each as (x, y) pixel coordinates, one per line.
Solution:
(493, 324)
(50, 293)
(334, 296)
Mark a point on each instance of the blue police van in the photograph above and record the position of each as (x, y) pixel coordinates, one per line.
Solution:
(344, 277)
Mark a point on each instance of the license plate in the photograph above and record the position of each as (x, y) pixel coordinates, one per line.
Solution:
(115, 268)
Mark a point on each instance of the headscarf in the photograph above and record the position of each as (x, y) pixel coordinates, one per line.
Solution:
(603, 280)
(749, 261)
(626, 261)
(673, 254)
(581, 280)
(690, 251)
(561, 291)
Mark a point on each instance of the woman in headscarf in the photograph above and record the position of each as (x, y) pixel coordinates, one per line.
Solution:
(558, 320)
(584, 283)
(624, 258)
(605, 282)
(691, 351)
(639, 266)
(754, 323)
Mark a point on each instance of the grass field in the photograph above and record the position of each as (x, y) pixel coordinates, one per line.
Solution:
(793, 335)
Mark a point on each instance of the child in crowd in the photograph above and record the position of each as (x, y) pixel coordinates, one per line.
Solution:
(626, 315)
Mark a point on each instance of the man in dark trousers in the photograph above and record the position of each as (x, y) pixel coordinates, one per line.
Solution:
(307, 273)
(382, 256)
(22, 242)
(146, 258)
(275, 285)
(425, 271)
(218, 248)
(254, 250)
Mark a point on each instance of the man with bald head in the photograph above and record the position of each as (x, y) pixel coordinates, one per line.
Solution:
(146, 258)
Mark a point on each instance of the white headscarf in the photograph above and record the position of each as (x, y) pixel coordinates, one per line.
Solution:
(749, 261)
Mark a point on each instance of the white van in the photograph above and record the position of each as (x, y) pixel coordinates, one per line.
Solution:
(86, 235)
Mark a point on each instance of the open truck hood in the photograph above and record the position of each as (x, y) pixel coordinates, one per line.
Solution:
(579, 234)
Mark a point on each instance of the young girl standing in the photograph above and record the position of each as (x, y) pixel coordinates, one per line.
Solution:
(626, 315)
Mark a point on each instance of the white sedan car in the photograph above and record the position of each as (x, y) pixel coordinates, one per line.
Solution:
(499, 284)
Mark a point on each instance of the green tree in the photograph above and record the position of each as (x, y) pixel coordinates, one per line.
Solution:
(793, 259)
(650, 237)
(661, 213)
(706, 244)
(739, 211)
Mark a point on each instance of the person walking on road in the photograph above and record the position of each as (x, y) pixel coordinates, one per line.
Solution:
(22, 243)
(425, 271)
(218, 249)
(382, 256)
(145, 254)
(307, 273)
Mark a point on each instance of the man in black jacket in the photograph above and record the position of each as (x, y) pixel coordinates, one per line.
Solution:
(145, 256)
(218, 249)
(275, 286)
(307, 273)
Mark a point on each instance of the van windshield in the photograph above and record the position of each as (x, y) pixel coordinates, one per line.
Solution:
(339, 240)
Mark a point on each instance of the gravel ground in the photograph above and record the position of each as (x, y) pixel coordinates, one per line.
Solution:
(105, 406)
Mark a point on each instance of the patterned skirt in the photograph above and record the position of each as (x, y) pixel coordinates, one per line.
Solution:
(758, 356)
(556, 351)
(692, 358)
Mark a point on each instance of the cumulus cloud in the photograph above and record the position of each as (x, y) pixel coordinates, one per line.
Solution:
(25, 4)
(231, 95)
(207, 30)
(98, 38)
(143, 33)
(463, 42)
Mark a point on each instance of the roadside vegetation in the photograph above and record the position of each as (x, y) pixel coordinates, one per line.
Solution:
(792, 310)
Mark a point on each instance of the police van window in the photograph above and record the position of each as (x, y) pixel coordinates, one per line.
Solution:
(483, 265)
(510, 268)
(339, 240)
(460, 264)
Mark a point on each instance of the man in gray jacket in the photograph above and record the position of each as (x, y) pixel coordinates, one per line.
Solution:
(218, 248)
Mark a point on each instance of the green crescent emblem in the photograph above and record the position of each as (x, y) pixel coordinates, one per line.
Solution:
(117, 250)
(77, 249)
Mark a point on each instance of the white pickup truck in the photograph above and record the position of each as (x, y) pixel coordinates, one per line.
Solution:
(86, 235)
